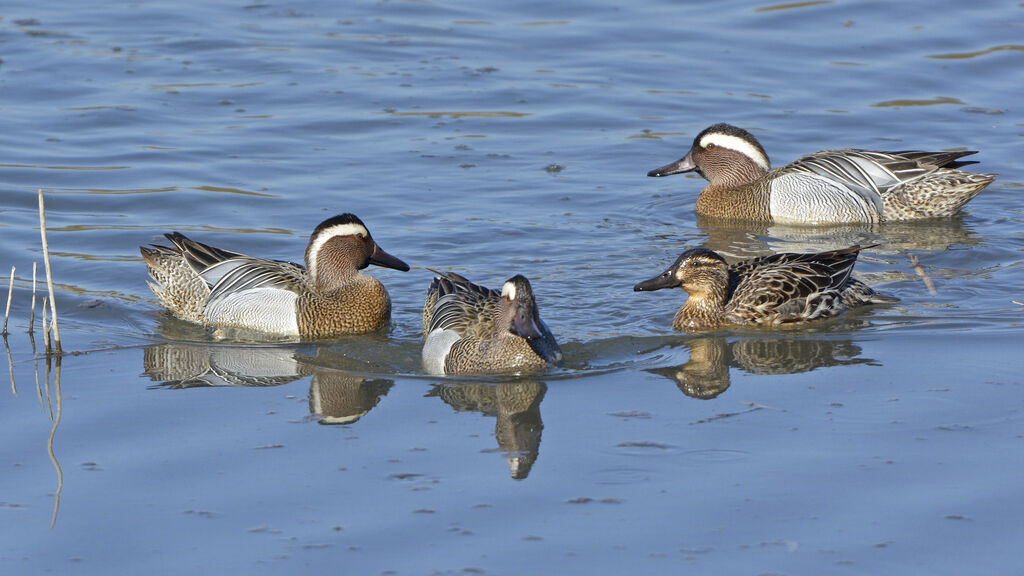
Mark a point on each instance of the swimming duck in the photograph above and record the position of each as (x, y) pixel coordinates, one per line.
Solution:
(778, 289)
(470, 329)
(328, 297)
(828, 187)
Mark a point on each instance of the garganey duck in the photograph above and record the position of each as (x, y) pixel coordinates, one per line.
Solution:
(470, 329)
(778, 289)
(828, 187)
(326, 297)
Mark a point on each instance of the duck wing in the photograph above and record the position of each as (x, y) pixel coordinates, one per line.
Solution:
(455, 303)
(234, 277)
(849, 184)
(781, 284)
(198, 255)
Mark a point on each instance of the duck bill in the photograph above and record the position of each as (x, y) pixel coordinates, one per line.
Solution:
(684, 164)
(664, 280)
(382, 258)
(547, 349)
(528, 325)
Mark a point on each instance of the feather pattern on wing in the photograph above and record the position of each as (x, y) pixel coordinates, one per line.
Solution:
(783, 284)
(460, 305)
(238, 275)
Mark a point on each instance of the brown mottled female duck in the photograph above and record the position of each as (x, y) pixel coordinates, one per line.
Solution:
(469, 329)
(778, 289)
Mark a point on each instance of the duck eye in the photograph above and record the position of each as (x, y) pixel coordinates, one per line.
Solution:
(710, 146)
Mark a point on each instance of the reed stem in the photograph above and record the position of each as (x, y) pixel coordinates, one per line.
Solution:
(49, 276)
(46, 329)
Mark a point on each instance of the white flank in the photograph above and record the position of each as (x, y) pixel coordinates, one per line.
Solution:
(436, 348)
(266, 309)
(315, 244)
(812, 199)
(508, 291)
(738, 144)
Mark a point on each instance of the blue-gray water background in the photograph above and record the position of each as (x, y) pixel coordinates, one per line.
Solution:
(494, 139)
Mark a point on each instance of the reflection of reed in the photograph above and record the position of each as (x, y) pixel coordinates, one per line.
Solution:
(916, 265)
(706, 373)
(32, 310)
(342, 398)
(10, 365)
(517, 408)
(7, 311)
(53, 432)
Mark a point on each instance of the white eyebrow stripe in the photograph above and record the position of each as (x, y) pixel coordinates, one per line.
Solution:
(738, 144)
(350, 229)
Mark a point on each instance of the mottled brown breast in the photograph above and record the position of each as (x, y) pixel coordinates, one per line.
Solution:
(506, 354)
(748, 202)
(694, 318)
(361, 306)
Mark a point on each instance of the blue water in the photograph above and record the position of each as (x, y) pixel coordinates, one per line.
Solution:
(493, 141)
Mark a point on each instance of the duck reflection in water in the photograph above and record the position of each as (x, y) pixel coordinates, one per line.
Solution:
(342, 398)
(335, 396)
(705, 374)
(748, 240)
(517, 407)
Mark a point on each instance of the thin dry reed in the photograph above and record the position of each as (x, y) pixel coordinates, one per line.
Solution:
(49, 276)
(46, 329)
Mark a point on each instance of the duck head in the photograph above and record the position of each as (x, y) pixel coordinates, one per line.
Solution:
(722, 154)
(700, 272)
(518, 311)
(341, 246)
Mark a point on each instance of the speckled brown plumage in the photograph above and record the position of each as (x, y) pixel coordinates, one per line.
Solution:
(770, 290)
(742, 202)
(362, 305)
(175, 284)
(476, 327)
(500, 352)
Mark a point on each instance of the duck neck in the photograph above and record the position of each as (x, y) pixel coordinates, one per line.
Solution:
(702, 309)
(332, 278)
(329, 269)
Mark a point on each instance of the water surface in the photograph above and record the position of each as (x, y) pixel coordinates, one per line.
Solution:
(495, 142)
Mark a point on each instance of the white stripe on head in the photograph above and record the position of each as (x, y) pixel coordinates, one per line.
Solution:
(741, 145)
(318, 241)
(508, 291)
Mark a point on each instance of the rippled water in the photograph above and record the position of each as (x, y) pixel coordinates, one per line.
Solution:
(492, 142)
